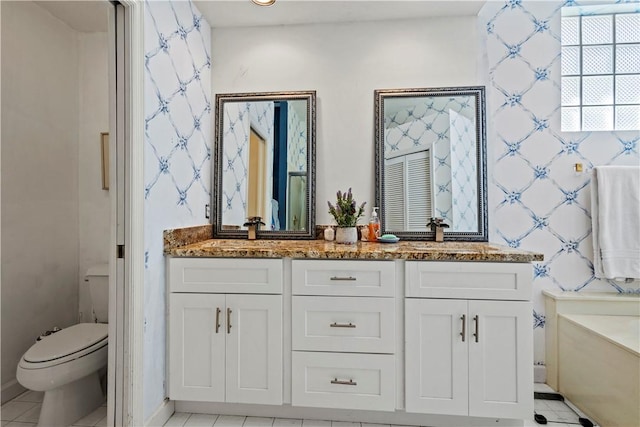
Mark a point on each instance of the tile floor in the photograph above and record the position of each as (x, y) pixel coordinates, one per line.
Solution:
(559, 414)
(182, 419)
(23, 411)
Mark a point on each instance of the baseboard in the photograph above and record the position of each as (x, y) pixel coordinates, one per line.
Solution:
(162, 414)
(11, 390)
(539, 374)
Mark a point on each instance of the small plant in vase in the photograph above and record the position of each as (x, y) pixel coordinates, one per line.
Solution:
(346, 214)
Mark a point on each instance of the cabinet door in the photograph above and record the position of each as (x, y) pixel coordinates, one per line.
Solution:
(501, 359)
(436, 356)
(196, 348)
(254, 349)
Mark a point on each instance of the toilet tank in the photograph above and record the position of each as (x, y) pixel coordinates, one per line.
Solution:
(98, 279)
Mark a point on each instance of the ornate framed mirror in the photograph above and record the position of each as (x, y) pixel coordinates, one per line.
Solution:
(431, 162)
(264, 164)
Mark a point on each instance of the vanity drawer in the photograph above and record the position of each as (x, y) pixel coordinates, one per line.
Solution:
(363, 325)
(225, 275)
(472, 280)
(343, 380)
(353, 278)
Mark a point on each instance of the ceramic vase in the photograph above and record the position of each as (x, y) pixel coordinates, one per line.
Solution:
(346, 235)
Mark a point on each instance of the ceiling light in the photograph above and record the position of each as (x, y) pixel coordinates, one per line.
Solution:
(264, 2)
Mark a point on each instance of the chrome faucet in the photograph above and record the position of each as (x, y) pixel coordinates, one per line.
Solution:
(253, 225)
(438, 225)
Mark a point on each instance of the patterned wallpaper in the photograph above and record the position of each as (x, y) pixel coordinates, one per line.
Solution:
(537, 201)
(429, 124)
(464, 182)
(177, 156)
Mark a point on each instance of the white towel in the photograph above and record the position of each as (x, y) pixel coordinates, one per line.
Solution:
(615, 217)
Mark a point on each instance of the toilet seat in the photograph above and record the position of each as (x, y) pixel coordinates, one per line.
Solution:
(68, 344)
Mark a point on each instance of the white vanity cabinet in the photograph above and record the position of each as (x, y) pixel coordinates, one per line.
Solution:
(343, 334)
(414, 342)
(468, 356)
(224, 346)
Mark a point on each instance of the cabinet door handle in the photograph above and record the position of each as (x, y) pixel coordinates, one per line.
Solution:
(463, 334)
(342, 325)
(218, 319)
(477, 323)
(348, 278)
(343, 382)
(228, 320)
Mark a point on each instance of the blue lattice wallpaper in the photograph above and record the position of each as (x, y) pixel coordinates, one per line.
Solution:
(537, 201)
(429, 124)
(464, 182)
(177, 156)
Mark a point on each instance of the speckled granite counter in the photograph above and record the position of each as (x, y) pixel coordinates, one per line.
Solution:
(188, 243)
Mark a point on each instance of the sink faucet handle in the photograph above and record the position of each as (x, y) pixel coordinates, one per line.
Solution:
(254, 220)
(437, 222)
(253, 225)
(437, 226)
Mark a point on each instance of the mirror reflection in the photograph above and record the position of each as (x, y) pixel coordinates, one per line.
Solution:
(430, 161)
(264, 163)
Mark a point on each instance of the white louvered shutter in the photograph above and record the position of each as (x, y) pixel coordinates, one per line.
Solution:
(419, 189)
(394, 194)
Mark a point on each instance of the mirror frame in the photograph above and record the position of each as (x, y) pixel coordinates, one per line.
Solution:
(478, 92)
(216, 193)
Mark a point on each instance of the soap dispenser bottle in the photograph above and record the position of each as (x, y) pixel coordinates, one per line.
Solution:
(374, 225)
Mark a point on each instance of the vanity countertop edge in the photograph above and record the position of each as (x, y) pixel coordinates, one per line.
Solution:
(197, 242)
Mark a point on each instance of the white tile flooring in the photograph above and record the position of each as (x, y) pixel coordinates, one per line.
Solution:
(182, 419)
(553, 410)
(23, 411)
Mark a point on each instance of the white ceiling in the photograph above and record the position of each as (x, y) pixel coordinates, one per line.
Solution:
(83, 16)
(243, 13)
(92, 16)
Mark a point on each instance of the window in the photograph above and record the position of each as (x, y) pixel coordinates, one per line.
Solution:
(600, 68)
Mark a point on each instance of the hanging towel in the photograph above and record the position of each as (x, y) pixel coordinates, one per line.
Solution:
(615, 217)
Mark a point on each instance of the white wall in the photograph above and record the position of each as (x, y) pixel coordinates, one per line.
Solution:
(345, 63)
(39, 177)
(94, 207)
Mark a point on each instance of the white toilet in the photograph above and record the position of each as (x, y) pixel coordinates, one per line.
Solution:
(66, 365)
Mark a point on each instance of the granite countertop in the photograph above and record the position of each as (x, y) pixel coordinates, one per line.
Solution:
(189, 242)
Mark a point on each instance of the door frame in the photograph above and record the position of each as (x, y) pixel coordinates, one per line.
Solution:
(126, 283)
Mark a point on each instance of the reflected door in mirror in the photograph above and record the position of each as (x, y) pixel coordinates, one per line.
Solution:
(263, 141)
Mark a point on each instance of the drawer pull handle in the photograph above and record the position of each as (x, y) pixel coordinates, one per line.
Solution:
(477, 322)
(218, 319)
(343, 382)
(344, 279)
(342, 325)
(228, 320)
(463, 334)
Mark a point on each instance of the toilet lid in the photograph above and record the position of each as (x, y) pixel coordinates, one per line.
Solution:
(67, 341)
